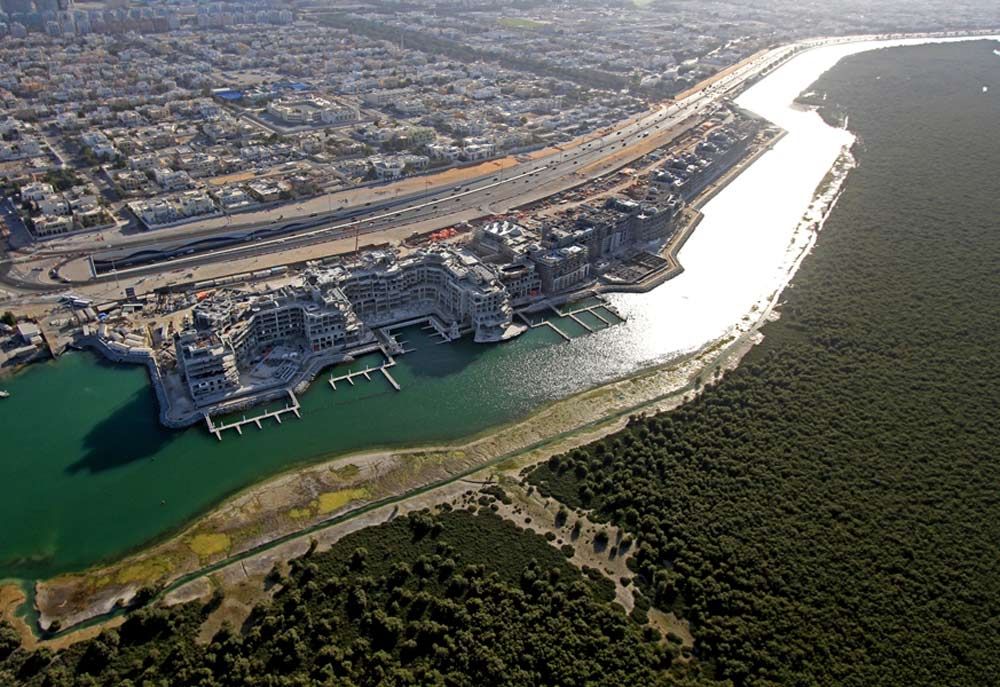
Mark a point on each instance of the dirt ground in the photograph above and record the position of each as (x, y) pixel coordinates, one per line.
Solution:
(11, 598)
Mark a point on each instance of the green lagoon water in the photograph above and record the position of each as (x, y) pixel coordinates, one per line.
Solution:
(89, 473)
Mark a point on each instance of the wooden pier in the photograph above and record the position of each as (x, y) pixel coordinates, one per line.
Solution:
(367, 374)
(436, 327)
(602, 318)
(580, 322)
(573, 315)
(557, 330)
(349, 377)
(593, 310)
(217, 430)
(395, 384)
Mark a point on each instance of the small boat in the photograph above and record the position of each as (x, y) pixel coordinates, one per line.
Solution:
(4, 394)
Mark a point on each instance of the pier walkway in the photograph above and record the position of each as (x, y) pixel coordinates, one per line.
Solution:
(258, 420)
(367, 374)
(431, 323)
(573, 315)
(593, 310)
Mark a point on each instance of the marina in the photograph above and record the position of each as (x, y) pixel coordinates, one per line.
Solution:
(367, 374)
(602, 313)
(574, 319)
(291, 407)
(318, 322)
(237, 343)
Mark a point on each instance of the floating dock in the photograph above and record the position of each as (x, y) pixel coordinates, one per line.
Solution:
(602, 318)
(558, 331)
(367, 374)
(435, 326)
(258, 420)
(593, 310)
(395, 384)
(573, 315)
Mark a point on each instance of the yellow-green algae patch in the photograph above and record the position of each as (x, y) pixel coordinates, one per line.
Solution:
(145, 572)
(559, 426)
(300, 513)
(332, 500)
(346, 472)
(209, 544)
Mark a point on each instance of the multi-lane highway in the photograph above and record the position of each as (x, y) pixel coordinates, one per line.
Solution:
(516, 185)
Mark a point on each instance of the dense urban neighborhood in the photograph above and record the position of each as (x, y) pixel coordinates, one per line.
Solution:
(154, 116)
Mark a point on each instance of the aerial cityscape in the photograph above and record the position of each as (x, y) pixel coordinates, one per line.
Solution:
(455, 342)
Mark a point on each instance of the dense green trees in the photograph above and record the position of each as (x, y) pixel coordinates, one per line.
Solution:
(829, 514)
(423, 600)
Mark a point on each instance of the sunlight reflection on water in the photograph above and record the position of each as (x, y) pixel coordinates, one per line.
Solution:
(741, 252)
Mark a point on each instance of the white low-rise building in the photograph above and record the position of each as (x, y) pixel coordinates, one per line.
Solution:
(53, 226)
(172, 180)
(36, 191)
(301, 111)
(53, 204)
(233, 198)
(19, 149)
(173, 209)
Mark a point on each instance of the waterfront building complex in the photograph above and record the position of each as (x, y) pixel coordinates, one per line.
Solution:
(451, 284)
(235, 331)
(240, 342)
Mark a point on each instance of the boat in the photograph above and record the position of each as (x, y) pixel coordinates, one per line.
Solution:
(4, 394)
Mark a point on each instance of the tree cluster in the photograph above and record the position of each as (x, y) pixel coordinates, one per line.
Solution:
(422, 600)
(829, 513)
